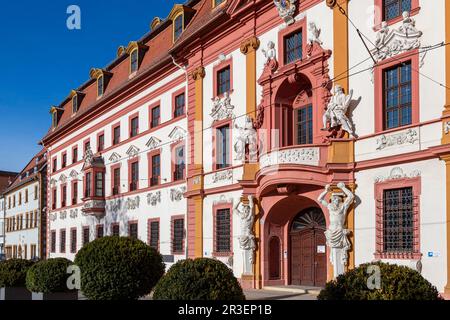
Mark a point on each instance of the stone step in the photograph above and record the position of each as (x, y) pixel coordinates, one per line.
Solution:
(295, 289)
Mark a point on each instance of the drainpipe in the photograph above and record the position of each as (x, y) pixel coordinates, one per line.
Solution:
(184, 69)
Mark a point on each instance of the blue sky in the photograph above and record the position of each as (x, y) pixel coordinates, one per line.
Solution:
(41, 60)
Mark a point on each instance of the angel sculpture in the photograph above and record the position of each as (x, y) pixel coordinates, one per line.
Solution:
(336, 114)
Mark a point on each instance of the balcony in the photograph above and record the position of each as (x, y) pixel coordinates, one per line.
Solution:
(309, 155)
(94, 207)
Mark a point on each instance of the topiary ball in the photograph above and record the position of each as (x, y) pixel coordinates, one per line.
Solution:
(200, 279)
(118, 268)
(49, 276)
(13, 272)
(397, 283)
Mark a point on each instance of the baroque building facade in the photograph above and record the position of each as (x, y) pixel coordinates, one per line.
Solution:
(215, 134)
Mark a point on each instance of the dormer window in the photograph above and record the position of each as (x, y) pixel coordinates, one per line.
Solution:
(76, 97)
(178, 27)
(180, 16)
(136, 51)
(75, 104)
(134, 62)
(54, 119)
(100, 86)
(102, 78)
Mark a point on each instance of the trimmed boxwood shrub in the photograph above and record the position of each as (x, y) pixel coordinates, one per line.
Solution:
(397, 283)
(200, 279)
(13, 272)
(49, 276)
(118, 268)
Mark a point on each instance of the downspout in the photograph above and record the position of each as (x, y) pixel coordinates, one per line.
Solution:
(184, 69)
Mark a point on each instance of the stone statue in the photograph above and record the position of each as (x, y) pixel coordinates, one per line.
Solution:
(270, 53)
(336, 113)
(247, 238)
(314, 34)
(382, 35)
(222, 108)
(409, 25)
(247, 137)
(336, 234)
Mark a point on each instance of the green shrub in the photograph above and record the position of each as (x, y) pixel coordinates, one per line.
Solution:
(200, 279)
(13, 272)
(397, 283)
(115, 268)
(49, 276)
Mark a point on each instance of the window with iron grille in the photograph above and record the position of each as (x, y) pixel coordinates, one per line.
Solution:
(398, 220)
(293, 49)
(222, 147)
(178, 236)
(156, 169)
(116, 187)
(134, 127)
(156, 116)
(73, 240)
(178, 27)
(115, 232)
(154, 234)
(179, 164)
(395, 8)
(304, 125)
(62, 241)
(179, 105)
(223, 231)
(101, 143)
(134, 176)
(133, 230)
(223, 80)
(99, 184)
(134, 61)
(86, 235)
(100, 231)
(53, 242)
(116, 138)
(397, 96)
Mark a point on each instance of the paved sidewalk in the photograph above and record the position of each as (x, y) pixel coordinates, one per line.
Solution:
(277, 295)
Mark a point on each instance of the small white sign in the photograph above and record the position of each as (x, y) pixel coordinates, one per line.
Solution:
(321, 249)
(432, 254)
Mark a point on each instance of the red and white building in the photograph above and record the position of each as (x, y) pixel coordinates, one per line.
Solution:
(161, 143)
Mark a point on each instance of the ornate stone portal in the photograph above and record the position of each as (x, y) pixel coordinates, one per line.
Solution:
(336, 234)
(247, 238)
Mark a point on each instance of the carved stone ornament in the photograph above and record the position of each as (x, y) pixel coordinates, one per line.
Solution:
(133, 203)
(53, 182)
(74, 174)
(306, 156)
(74, 213)
(390, 43)
(226, 175)
(247, 237)
(154, 198)
(408, 137)
(222, 108)
(52, 216)
(198, 73)
(63, 178)
(115, 157)
(286, 10)
(314, 34)
(336, 114)
(249, 44)
(397, 173)
(63, 215)
(447, 127)
(88, 157)
(222, 200)
(133, 152)
(337, 234)
(247, 141)
(153, 143)
(271, 57)
(176, 194)
(177, 134)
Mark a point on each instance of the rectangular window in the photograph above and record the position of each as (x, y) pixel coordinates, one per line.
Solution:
(154, 234)
(397, 96)
(26, 196)
(99, 184)
(134, 127)
(134, 61)
(134, 176)
(304, 125)
(35, 219)
(395, 8)
(55, 119)
(64, 160)
(115, 230)
(179, 105)
(398, 222)
(87, 145)
(54, 199)
(101, 143)
(178, 27)
(87, 187)
(20, 198)
(74, 193)
(293, 49)
(178, 236)
(179, 164)
(100, 231)
(62, 241)
(86, 235)
(116, 185)
(55, 165)
(75, 155)
(156, 170)
(73, 241)
(223, 81)
(156, 117)
(53, 242)
(64, 196)
(223, 147)
(116, 135)
(36, 192)
(100, 86)
(223, 231)
(133, 230)
(74, 104)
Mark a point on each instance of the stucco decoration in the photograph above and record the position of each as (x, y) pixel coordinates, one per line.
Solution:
(247, 238)
(306, 156)
(133, 203)
(286, 10)
(74, 213)
(223, 200)
(53, 182)
(222, 108)
(247, 145)
(115, 205)
(153, 143)
(154, 198)
(74, 174)
(52, 216)
(407, 137)
(88, 157)
(177, 134)
(63, 215)
(390, 43)
(63, 178)
(447, 127)
(271, 57)
(336, 114)
(314, 34)
(226, 175)
(176, 194)
(397, 173)
(133, 151)
(337, 234)
(115, 157)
